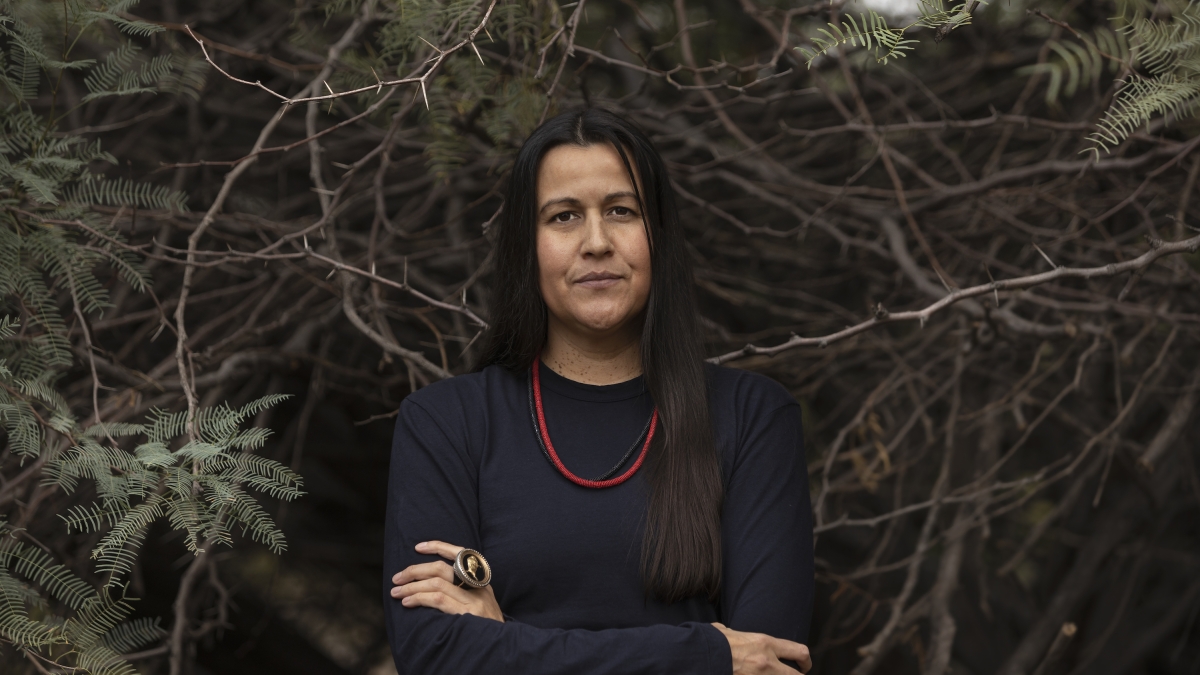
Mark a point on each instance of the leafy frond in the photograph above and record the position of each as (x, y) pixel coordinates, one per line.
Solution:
(127, 26)
(131, 635)
(163, 425)
(1080, 63)
(122, 191)
(1141, 99)
(1164, 46)
(37, 566)
(260, 404)
(114, 429)
(1168, 51)
(51, 180)
(16, 625)
(105, 77)
(23, 72)
(870, 31)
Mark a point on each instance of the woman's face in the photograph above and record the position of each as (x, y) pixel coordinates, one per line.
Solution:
(593, 254)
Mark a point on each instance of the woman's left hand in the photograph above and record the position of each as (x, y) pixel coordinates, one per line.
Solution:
(433, 585)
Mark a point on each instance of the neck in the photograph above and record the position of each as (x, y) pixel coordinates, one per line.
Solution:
(609, 360)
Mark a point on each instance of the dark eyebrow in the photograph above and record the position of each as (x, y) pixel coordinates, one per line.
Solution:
(575, 202)
(560, 200)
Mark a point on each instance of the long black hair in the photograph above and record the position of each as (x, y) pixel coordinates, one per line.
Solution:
(681, 549)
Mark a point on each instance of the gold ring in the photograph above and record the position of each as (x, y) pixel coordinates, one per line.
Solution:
(472, 569)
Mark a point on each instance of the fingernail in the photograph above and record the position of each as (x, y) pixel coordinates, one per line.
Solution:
(406, 601)
(422, 545)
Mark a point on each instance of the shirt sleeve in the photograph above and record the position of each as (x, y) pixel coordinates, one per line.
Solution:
(766, 528)
(432, 494)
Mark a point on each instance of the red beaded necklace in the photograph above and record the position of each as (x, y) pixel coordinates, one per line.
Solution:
(539, 414)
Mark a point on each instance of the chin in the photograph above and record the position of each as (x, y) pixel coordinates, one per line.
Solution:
(605, 322)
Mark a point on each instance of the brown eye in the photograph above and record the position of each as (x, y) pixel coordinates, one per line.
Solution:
(622, 211)
(562, 217)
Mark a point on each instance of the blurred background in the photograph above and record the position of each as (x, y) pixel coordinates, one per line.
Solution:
(210, 203)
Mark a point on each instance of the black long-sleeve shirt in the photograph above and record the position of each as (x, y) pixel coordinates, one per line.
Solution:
(467, 469)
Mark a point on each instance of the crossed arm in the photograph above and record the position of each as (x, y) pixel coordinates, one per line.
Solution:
(433, 585)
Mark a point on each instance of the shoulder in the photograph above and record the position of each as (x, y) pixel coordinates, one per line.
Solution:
(745, 390)
(747, 408)
(455, 402)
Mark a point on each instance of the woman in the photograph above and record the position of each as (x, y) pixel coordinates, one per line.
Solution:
(642, 512)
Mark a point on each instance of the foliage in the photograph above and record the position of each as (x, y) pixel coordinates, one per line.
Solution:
(1169, 51)
(508, 104)
(199, 487)
(1081, 63)
(1156, 55)
(1166, 49)
(871, 31)
(51, 182)
(93, 636)
(964, 467)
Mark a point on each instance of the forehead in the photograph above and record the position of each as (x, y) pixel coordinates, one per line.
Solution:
(572, 171)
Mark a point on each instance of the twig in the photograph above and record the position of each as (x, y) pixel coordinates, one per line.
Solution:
(923, 315)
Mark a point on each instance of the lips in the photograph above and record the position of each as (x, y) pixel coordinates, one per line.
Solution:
(598, 280)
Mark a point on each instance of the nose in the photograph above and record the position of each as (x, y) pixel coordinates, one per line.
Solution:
(596, 240)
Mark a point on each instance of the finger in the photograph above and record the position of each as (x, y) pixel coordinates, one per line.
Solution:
(442, 586)
(435, 600)
(792, 651)
(430, 570)
(447, 551)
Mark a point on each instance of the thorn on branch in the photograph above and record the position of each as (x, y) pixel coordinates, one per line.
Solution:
(945, 284)
(880, 312)
(1154, 242)
(1133, 279)
(330, 90)
(429, 43)
(1039, 250)
(993, 280)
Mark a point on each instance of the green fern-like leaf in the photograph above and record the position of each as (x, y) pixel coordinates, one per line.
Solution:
(25, 73)
(1080, 63)
(37, 566)
(105, 76)
(1165, 46)
(870, 31)
(131, 635)
(1140, 100)
(122, 192)
(1169, 53)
